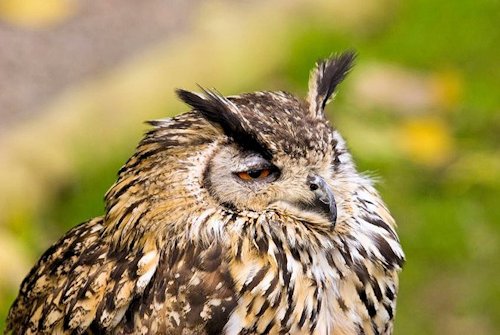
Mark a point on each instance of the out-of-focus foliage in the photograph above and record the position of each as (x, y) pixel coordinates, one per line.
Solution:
(36, 13)
(420, 111)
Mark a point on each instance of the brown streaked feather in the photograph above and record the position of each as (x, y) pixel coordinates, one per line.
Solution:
(191, 290)
(39, 304)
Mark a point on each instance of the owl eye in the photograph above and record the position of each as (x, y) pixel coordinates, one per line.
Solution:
(254, 174)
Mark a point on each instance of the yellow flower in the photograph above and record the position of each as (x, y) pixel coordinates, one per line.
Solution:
(427, 141)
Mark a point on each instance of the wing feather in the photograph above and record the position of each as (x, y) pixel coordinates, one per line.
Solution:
(38, 305)
(78, 283)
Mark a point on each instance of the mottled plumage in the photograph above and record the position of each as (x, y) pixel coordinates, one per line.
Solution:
(245, 215)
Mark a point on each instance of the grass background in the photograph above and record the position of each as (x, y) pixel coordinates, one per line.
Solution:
(420, 111)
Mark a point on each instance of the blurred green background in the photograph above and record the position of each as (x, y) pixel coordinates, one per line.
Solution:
(420, 112)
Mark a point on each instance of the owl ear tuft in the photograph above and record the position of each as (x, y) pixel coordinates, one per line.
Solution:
(211, 104)
(221, 112)
(324, 79)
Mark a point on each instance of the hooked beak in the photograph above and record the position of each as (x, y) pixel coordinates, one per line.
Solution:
(324, 201)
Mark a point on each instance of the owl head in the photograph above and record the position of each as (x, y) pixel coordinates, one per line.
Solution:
(276, 150)
(255, 152)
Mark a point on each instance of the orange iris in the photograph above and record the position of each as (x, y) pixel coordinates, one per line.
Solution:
(253, 174)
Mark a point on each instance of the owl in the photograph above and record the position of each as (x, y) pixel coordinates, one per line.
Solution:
(245, 215)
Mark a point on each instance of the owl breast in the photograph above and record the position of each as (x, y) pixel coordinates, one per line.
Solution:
(293, 279)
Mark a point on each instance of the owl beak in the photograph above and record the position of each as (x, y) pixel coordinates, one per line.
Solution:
(324, 201)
